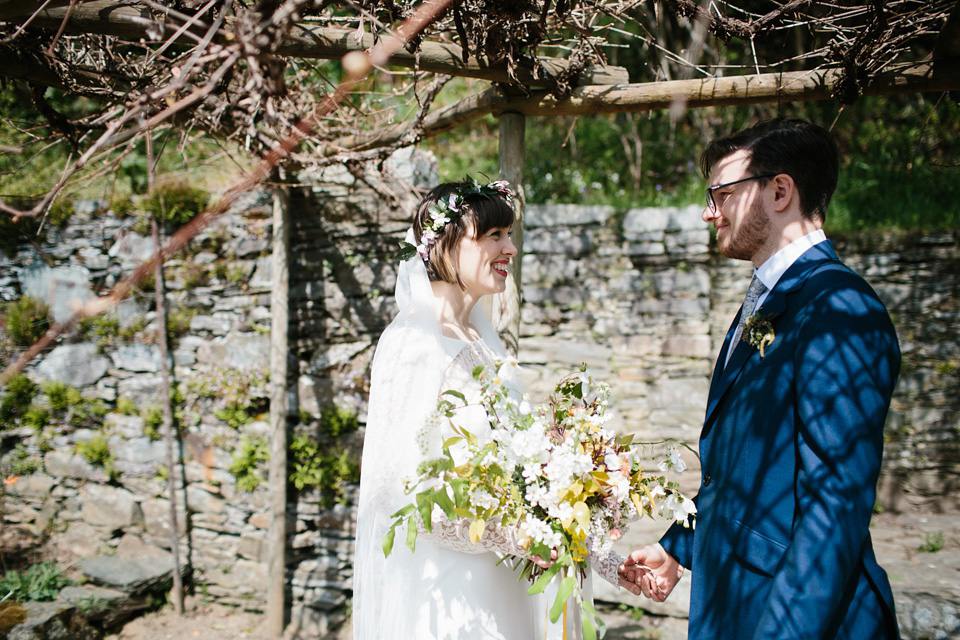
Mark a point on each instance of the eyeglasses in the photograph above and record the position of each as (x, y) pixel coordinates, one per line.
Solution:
(712, 204)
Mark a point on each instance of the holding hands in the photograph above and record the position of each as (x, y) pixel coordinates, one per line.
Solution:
(652, 571)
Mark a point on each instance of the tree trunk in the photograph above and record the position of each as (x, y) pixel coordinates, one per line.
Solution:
(506, 306)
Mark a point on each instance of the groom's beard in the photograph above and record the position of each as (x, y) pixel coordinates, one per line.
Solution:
(751, 235)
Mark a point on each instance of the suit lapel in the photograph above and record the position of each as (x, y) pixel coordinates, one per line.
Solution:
(775, 304)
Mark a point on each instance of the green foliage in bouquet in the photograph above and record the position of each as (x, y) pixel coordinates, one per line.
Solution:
(552, 471)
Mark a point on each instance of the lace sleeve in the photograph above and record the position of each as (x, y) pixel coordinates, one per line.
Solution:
(606, 563)
(455, 535)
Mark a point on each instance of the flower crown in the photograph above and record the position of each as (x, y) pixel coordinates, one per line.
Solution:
(448, 209)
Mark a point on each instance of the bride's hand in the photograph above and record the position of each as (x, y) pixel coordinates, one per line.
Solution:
(544, 563)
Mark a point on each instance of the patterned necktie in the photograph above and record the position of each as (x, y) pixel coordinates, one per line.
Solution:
(754, 292)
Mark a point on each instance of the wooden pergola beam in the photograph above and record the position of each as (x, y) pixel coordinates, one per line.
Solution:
(132, 20)
(650, 96)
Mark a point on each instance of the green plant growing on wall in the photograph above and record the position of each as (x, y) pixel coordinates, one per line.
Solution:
(322, 461)
(60, 212)
(127, 407)
(152, 421)
(61, 396)
(17, 398)
(36, 417)
(173, 204)
(239, 395)
(130, 332)
(38, 583)
(178, 323)
(193, 275)
(102, 329)
(97, 452)
(246, 460)
(329, 469)
(337, 421)
(237, 275)
(68, 403)
(19, 462)
(27, 320)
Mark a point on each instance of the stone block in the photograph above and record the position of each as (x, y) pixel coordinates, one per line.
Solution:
(111, 507)
(201, 501)
(138, 358)
(554, 215)
(253, 547)
(244, 351)
(141, 451)
(64, 289)
(217, 325)
(36, 486)
(644, 220)
(126, 574)
(78, 365)
(79, 539)
(125, 426)
(156, 518)
(688, 346)
(62, 464)
(132, 249)
(143, 389)
(562, 240)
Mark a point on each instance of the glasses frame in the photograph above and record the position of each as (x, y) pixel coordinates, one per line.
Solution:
(712, 204)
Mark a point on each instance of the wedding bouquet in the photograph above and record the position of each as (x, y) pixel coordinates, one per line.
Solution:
(552, 470)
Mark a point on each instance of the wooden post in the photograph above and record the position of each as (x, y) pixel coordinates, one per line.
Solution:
(506, 306)
(169, 422)
(279, 313)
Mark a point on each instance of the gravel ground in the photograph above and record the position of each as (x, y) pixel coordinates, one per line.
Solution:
(897, 538)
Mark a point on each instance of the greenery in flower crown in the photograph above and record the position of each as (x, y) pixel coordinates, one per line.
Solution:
(447, 209)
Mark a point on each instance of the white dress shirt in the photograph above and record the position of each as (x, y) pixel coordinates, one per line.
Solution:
(776, 265)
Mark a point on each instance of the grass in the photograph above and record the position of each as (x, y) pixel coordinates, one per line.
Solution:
(933, 542)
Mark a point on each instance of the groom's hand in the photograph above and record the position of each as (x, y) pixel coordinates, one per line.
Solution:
(653, 570)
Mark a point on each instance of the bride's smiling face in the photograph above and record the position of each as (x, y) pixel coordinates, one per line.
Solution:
(483, 261)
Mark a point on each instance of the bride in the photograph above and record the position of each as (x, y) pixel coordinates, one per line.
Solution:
(450, 588)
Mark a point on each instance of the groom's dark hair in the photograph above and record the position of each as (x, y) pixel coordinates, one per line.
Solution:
(481, 211)
(802, 150)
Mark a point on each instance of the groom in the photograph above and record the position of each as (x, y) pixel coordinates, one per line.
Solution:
(792, 440)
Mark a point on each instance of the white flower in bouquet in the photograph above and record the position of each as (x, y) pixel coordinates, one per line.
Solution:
(551, 470)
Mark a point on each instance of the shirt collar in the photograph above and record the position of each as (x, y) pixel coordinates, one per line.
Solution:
(773, 269)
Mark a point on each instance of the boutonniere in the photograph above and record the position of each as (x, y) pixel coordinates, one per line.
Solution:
(758, 331)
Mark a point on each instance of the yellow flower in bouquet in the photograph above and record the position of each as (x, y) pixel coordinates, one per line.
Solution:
(554, 472)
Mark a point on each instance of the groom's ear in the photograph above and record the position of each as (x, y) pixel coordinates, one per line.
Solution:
(784, 192)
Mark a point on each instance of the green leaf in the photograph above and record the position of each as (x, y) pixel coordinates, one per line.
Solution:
(455, 394)
(589, 632)
(563, 593)
(405, 252)
(412, 534)
(425, 508)
(405, 511)
(442, 500)
(477, 370)
(544, 580)
(388, 540)
(589, 617)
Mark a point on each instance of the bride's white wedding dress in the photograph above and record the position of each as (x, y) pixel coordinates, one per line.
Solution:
(449, 589)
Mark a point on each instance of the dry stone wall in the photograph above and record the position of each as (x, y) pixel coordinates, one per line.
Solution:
(639, 296)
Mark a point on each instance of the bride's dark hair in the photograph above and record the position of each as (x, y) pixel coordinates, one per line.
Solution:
(478, 210)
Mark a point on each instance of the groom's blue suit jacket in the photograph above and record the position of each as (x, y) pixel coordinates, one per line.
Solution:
(790, 453)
